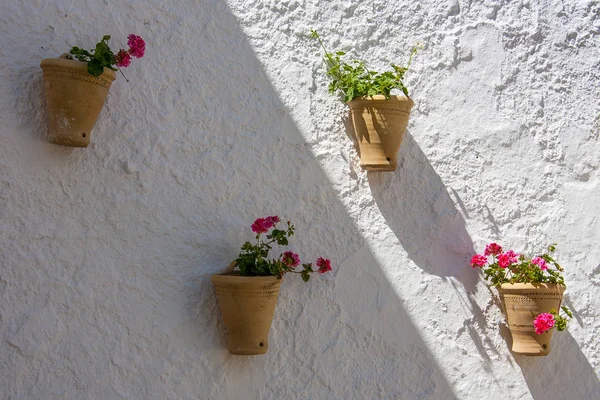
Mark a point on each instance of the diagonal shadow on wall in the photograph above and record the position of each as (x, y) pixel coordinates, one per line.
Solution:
(354, 326)
(418, 209)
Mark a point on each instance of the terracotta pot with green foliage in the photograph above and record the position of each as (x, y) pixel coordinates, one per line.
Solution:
(77, 89)
(378, 117)
(531, 294)
(248, 297)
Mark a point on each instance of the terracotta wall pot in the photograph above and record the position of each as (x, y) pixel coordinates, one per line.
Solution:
(379, 125)
(522, 303)
(74, 99)
(248, 305)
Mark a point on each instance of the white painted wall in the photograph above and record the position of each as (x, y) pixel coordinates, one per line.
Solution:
(106, 252)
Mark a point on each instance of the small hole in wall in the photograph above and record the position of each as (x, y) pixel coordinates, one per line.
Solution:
(544, 346)
(83, 134)
(261, 344)
(387, 158)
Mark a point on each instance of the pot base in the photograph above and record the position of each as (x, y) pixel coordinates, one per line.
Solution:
(248, 343)
(527, 344)
(67, 141)
(379, 167)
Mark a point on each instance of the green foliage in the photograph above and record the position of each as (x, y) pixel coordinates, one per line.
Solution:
(561, 322)
(525, 271)
(98, 58)
(253, 259)
(353, 79)
(307, 270)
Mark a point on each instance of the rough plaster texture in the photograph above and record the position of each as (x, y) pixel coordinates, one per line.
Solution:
(106, 252)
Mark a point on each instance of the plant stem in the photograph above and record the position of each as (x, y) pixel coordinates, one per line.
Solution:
(327, 54)
(126, 80)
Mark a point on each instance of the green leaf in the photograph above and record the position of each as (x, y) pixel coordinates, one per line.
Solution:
(350, 93)
(95, 67)
(305, 275)
(353, 79)
(99, 58)
(567, 311)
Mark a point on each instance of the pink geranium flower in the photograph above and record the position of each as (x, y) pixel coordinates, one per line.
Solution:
(543, 323)
(261, 226)
(324, 265)
(137, 46)
(540, 262)
(123, 59)
(478, 260)
(492, 249)
(272, 220)
(290, 259)
(507, 259)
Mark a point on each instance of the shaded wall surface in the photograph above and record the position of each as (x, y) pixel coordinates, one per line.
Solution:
(106, 253)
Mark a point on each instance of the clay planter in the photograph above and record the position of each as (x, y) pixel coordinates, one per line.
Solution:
(379, 126)
(74, 100)
(522, 303)
(248, 305)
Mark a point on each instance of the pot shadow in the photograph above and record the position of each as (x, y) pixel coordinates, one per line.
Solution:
(417, 207)
(349, 128)
(565, 373)
(31, 102)
(419, 210)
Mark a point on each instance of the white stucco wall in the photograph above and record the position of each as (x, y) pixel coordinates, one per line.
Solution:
(106, 252)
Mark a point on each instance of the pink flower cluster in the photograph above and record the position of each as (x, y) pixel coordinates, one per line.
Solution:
(324, 265)
(507, 259)
(262, 225)
(137, 48)
(543, 323)
(123, 59)
(492, 249)
(540, 262)
(478, 260)
(290, 259)
(495, 250)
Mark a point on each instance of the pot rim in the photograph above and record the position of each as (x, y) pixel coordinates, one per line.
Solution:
(537, 285)
(235, 277)
(81, 66)
(381, 98)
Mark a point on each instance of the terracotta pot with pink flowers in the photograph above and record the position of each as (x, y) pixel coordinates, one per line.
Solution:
(531, 291)
(248, 296)
(76, 86)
